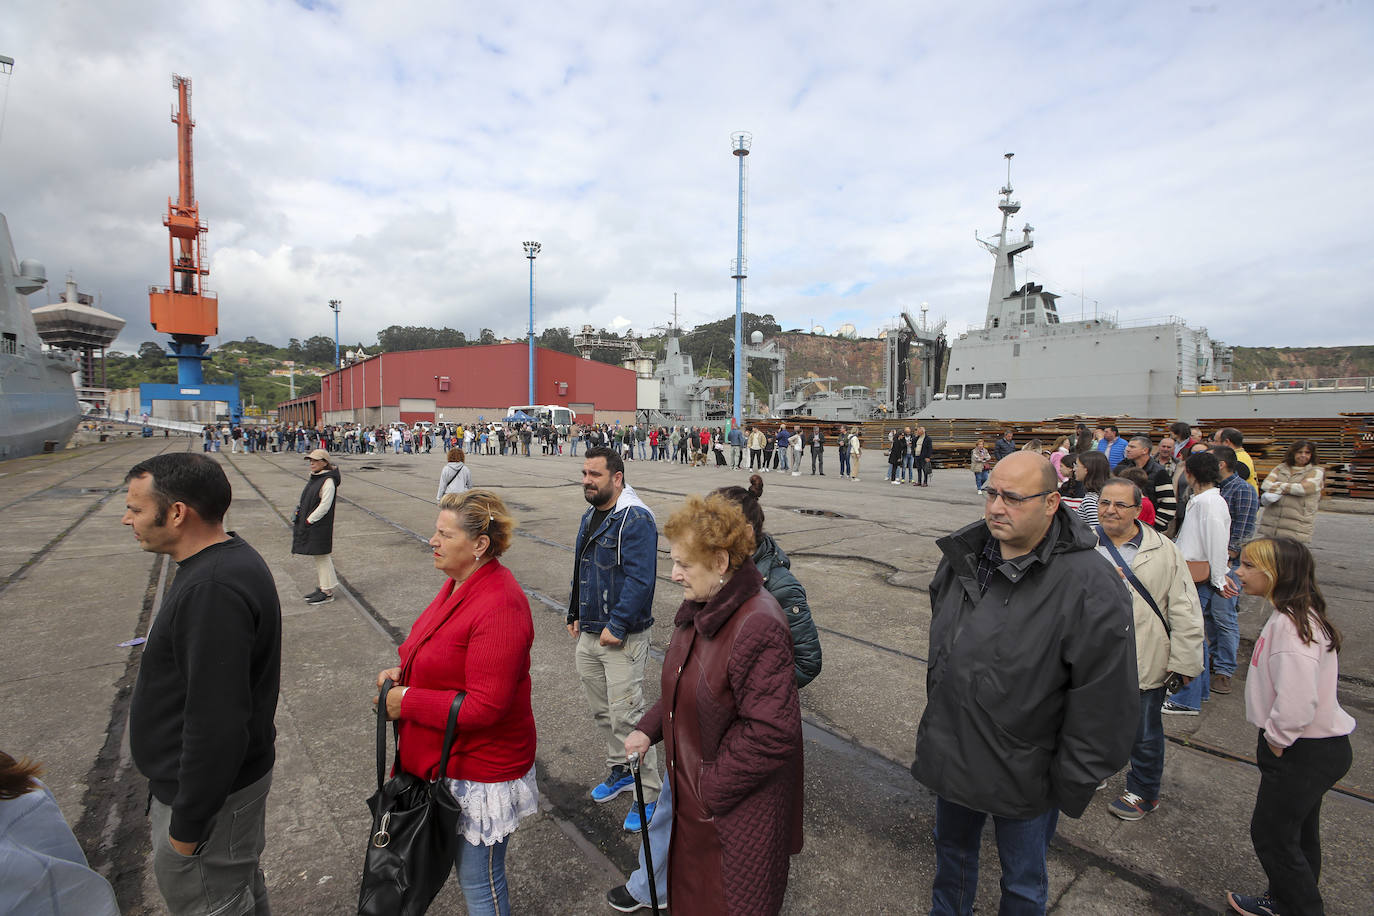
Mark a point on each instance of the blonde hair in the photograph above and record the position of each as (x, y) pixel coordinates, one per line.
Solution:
(481, 512)
(703, 526)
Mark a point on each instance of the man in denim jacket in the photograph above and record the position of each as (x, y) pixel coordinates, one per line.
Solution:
(610, 613)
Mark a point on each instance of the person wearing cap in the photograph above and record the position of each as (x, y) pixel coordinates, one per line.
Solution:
(312, 528)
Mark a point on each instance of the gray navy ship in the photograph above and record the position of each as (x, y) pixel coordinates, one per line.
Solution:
(38, 406)
(1025, 363)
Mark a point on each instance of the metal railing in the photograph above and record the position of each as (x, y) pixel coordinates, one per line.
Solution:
(1282, 386)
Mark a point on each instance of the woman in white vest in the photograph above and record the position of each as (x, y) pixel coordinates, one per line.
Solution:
(1290, 494)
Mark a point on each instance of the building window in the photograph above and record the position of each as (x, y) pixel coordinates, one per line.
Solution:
(954, 392)
(973, 392)
(996, 390)
(9, 345)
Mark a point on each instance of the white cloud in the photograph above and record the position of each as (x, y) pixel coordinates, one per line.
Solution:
(1202, 161)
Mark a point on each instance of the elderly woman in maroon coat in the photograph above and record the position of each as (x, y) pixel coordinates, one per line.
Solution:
(729, 720)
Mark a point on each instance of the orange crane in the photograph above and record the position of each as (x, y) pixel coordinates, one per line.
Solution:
(183, 308)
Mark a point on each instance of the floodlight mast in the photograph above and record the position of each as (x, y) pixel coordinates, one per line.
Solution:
(740, 141)
(531, 252)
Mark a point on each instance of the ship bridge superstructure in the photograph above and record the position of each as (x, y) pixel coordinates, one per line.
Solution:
(1012, 307)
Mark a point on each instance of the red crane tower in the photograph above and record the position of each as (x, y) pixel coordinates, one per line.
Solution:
(184, 308)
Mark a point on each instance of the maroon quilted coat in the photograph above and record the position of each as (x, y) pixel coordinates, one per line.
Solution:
(731, 728)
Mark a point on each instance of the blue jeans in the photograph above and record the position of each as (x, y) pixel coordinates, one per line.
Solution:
(1223, 628)
(660, 832)
(908, 462)
(1222, 632)
(844, 462)
(980, 479)
(575, 441)
(482, 876)
(1022, 846)
(1147, 754)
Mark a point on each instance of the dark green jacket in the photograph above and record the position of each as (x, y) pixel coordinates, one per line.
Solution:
(776, 570)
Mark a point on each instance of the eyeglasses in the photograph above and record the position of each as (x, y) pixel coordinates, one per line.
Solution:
(1114, 504)
(1012, 499)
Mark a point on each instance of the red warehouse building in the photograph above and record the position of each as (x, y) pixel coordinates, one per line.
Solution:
(466, 384)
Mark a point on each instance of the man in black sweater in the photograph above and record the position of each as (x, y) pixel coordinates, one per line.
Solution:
(200, 725)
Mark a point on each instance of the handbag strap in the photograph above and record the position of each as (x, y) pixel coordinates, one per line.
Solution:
(381, 732)
(1131, 578)
(450, 732)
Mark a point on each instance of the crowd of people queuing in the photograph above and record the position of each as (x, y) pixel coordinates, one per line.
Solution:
(1122, 561)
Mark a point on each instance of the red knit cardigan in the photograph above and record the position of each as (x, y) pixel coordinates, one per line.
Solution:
(474, 637)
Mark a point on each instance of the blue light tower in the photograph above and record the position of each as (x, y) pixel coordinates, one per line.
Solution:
(740, 142)
(335, 305)
(531, 252)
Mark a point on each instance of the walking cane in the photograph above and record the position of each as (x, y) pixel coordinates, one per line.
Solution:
(633, 761)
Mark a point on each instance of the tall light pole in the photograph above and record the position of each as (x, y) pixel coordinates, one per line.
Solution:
(335, 305)
(740, 142)
(531, 252)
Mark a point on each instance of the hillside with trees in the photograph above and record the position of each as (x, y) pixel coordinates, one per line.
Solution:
(852, 362)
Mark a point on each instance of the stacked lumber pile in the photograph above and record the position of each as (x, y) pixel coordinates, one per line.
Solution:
(1345, 444)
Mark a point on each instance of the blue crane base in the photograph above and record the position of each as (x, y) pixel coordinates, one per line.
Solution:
(148, 393)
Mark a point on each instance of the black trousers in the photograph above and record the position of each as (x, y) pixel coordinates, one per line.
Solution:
(1286, 825)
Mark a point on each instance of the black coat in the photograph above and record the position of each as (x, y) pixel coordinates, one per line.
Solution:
(316, 539)
(1031, 690)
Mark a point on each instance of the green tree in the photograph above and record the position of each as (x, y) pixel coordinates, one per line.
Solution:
(486, 337)
(318, 351)
(559, 339)
(151, 353)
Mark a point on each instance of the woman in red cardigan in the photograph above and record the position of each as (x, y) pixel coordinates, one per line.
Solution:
(474, 637)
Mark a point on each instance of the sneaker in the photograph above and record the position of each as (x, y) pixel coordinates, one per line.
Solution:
(1131, 807)
(620, 780)
(896, 483)
(1262, 905)
(1221, 683)
(621, 899)
(632, 824)
(796, 473)
(1174, 709)
(320, 597)
(317, 593)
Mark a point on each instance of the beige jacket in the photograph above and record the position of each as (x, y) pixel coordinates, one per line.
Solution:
(1295, 514)
(1160, 567)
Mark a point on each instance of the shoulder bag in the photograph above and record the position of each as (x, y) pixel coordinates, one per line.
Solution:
(414, 836)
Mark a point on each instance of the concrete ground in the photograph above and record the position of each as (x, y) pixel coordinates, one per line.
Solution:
(74, 585)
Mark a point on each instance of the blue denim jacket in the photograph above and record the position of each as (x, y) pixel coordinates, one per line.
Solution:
(616, 574)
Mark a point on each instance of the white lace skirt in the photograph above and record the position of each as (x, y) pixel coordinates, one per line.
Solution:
(492, 810)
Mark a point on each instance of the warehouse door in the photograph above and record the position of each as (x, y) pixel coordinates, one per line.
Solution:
(415, 409)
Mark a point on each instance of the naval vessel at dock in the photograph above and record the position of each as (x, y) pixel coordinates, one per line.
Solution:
(38, 406)
(1026, 363)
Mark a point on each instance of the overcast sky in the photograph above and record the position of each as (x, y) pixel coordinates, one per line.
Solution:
(1207, 160)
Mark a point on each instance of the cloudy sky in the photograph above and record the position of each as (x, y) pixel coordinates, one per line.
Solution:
(1208, 160)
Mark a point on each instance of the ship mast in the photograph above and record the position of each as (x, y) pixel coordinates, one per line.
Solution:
(1004, 273)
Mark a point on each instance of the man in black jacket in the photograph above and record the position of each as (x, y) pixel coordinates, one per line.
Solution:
(1160, 487)
(200, 724)
(1031, 691)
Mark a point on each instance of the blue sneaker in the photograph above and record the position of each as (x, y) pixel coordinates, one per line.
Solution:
(619, 781)
(632, 824)
(1261, 905)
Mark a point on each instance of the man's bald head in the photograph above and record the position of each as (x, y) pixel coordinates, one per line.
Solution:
(1022, 463)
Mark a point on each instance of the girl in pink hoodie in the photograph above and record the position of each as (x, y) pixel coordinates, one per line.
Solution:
(1304, 739)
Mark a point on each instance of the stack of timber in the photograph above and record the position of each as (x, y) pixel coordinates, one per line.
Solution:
(1267, 440)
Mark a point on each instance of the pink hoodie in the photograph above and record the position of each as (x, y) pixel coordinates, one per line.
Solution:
(1290, 690)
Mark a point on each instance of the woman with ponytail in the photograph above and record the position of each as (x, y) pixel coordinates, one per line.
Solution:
(1304, 739)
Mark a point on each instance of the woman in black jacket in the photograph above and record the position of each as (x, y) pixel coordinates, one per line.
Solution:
(312, 529)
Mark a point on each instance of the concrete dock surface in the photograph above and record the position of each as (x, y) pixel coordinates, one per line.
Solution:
(74, 585)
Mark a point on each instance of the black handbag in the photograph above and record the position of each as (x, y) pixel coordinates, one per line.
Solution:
(414, 835)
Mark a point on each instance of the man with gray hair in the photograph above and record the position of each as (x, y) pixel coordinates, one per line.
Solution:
(1160, 483)
(1168, 631)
